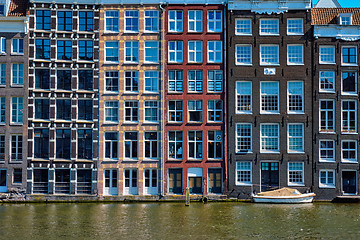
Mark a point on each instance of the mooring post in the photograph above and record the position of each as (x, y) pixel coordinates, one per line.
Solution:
(187, 197)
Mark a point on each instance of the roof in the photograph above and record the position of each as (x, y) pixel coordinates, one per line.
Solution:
(18, 8)
(327, 4)
(325, 16)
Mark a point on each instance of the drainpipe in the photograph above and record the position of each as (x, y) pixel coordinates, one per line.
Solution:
(226, 157)
(163, 101)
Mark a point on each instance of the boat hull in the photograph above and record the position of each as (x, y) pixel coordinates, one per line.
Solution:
(302, 198)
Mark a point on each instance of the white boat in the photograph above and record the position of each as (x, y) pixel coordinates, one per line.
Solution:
(283, 195)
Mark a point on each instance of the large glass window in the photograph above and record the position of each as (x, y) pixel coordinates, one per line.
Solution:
(64, 50)
(243, 137)
(269, 138)
(243, 26)
(84, 144)
(111, 111)
(2, 147)
(175, 111)
(86, 50)
(2, 73)
(17, 74)
(131, 145)
(269, 92)
(86, 80)
(349, 55)
(295, 54)
(243, 97)
(327, 54)
(111, 145)
(215, 144)
(112, 51)
(42, 78)
(151, 111)
(131, 51)
(195, 81)
(63, 79)
(151, 145)
(269, 55)
(63, 109)
(295, 26)
(2, 109)
(327, 178)
(215, 80)
(195, 20)
(348, 116)
(195, 51)
(112, 21)
(86, 21)
(85, 109)
(131, 81)
(195, 144)
(327, 112)
(295, 137)
(214, 18)
(41, 143)
(215, 51)
(112, 81)
(349, 151)
(243, 173)
(131, 111)
(327, 150)
(151, 81)
(151, 51)
(64, 20)
(269, 26)
(151, 21)
(327, 81)
(175, 52)
(42, 108)
(132, 21)
(296, 173)
(42, 49)
(175, 21)
(195, 110)
(63, 143)
(295, 97)
(243, 54)
(175, 81)
(349, 82)
(215, 110)
(17, 110)
(175, 144)
(17, 46)
(43, 19)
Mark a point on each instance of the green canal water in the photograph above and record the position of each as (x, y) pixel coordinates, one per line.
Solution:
(175, 221)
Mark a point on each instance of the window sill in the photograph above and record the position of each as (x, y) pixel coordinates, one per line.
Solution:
(214, 62)
(194, 92)
(327, 63)
(173, 92)
(110, 32)
(111, 93)
(269, 34)
(351, 162)
(324, 91)
(85, 61)
(327, 132)
(63, 31)
(130, 63)
(349, 94)
(295, 64)
(110, 123)
(15, 161)
(173, 63)
(17, 85)
(195, 122)
(110, 160)
(268, 113)
(62, 121)
(278, 152)
(111, 63)
(40, 160)
(174, 160)
(292, 153)
(247, 113)
(351, 133)
(61, 160)
(244, 184)
(84, 160)
(150, 123)
(328, 187)
(130, 93)
(194, 159)
(129, 123)
(151, 32)
(327, 161)
(174, 123)
(215, 159)
(41, 121)
(16, 124)
(130, 160)
(84, 32)
(63, 90)
(296, 184)
(349, 65)
(84, 121)
(150, 63)
(244, 64)
(85, 91)
(270, 65)
(294, 113)
(63, 61)
(246, 34)
(150, 160)
(41, 90)
(150, 93)
(17, 54)
(295, 34)
(42, 60)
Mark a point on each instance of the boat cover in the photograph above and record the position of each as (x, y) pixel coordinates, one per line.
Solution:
(280, 192)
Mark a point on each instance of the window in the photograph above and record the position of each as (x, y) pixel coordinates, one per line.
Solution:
(131, 51)
(112, 21)
(269, 54)
(16, 147)
(111, 81)
(327, 111)
(195, 51)
(131, 21)
(175, 21)
(151, 145)
(41, 143)
(112, 111)
(296, 173)
(215, 80)
(269, 26)
(63, 109)
(295, 26)
(151, 21)
(42, 108)
(327, 81)
(243, 97)
(151, 51)
(349, 151)
(2, 147)
(63, 143)
(243, 26)
(111, 145)
(42, 78)
(195, 110)
(269, 92)
(2, 45)
(176, 51)
(131, 145)
(42, 47)
(327, 54)
(151, 81)
(348, 116)
(175, 144)
(348, 82)
(295, 54)
(86, 80)
(195, 144)
(195, 20)
(84, 144)
(214, 21)
(86, 50)
(64, 21)
(17, 46)
(295, 138)
(86, 21)
(131, 111)
(2, 10)
(17, 175)
(175, 81)
(85, 109)
(327, 150)
(150, 178)
(243, 138)
(112, 52)
(43, 19)
(131, 81)
(345, 18)
(151, 111)
(243, 173)
(269, 138)
(215, 110)
(2, 73)
(195, 81)
(63, 79)
(64, 50)
(2, 109)
(17, 74)
(17, 110)
(215, 50)
(215, 144)
(175, 111)
(327, 178)
(349, 55)
(243, 54)
(295, 97)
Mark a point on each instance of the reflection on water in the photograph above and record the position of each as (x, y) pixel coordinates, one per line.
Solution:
(175, 221)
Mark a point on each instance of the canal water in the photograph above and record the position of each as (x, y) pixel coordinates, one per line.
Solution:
(175, 221)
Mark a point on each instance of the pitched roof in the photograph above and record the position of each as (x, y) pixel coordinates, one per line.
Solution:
(327, 4)
(325, 16)
(18, 8)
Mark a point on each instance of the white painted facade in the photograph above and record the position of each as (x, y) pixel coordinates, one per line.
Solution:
(14, 24)
(346, 33)
(269, 7)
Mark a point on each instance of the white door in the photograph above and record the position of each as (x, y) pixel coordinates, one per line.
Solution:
(110, 182)
(3, 182)
(131, 182)
(151, 181)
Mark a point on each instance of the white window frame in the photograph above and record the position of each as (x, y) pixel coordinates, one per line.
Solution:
(17, 112)
(349, 160)
(291, 137)
(3, 110)
(134, 52)
(264, 96)
(292, 51)
(328, 55)
(112, 49)
(297, 170)
(349, 113)
(264, 139)
(2, 46)
(110, 26)
(342, 56)
(152, 142)
(176, 111)
(149, 48)
(112, 142)
(327, 127)
(342, 83)
(215, 110)
(178, 23)
(263, 57)
(111, 78)
(215, 49)
(343, 19)
(131, 17)
(195, 51)
(176, 82)
(133, 107)
(243, 26)
(214, 21)
(242, 58)
(242, 91)
(18, 44)
(176, 141)
(327, 149)
(151, 81)
(243, 141)
(262, 27)
(323, 74)
(177, 52)
(3, 74)
(134, 78)
(241, 170)
(195, 21)
(214, 82)
(17, 75)
(153, 106)
(132, 142)
(111, 109)
(196, 143)
(327, 184)
(149, 14)
(290, 26)
(195, 85)
(195, 102)
(19, 146)
(291, 92)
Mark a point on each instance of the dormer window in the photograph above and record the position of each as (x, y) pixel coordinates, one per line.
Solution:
(345, 19)
(2, 9)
